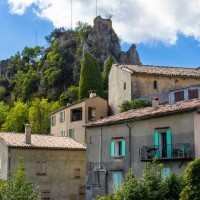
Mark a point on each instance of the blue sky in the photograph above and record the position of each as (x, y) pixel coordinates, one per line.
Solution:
(167, 38)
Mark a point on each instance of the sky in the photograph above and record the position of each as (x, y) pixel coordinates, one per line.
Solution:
(166, 32)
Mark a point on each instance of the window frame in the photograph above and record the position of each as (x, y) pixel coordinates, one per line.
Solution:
(179, 96)
(41, 169)
(70, 133)
(96, 178)
(118, 148)
(193, 93)
(77, 173)
(44, 193)
(62, 116)
(53, 120)
(119, 180)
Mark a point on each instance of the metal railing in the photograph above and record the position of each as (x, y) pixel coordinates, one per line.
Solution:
(172, 151)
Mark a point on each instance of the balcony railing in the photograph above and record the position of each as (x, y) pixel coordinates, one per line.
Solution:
(173, 151)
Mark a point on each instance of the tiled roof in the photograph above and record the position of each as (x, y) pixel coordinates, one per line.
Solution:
(40, 142)
(149, 112)
(161, 71)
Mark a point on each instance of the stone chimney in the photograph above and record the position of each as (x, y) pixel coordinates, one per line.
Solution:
(155, 102)
(27, 133)
(93, 93)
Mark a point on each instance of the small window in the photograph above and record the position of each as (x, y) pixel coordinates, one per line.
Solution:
(166, 172)
(62, 116)
(179, 96)
(91, 113)
(82, 189)
(45, 195)
(193, 94)
(124, 85)
(155, 86)
(53, 120)
(77, 173)
(118, 148)
(96, 178)
(70, 133)
(117, 179)
(41, 168)
(76, 114)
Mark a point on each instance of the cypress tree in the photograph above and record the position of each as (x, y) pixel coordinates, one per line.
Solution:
(90, 77)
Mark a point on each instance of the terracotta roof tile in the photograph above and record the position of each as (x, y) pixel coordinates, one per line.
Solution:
(149, 112)
(161, 71)
(40, 141)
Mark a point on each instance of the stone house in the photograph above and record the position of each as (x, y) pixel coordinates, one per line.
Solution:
(169, 132)
(128, 82)
(68, 120)
(56, 165)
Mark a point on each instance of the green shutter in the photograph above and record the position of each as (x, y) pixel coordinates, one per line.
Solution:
(67, 132)
(156, 143)
(123, 148)
(72, 133)
(112, 149)
(169, 144)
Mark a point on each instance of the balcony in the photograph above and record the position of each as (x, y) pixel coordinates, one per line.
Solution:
(167, 152)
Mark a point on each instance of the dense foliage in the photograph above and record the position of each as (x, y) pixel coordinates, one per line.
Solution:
(18, 187)
(90, 77)
(156, 185)
(134, 104)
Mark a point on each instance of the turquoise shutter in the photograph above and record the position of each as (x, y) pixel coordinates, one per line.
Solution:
(117, 178)
(112, 149)
(169, 144)
(123, 148)
(166, 172)
(156, 143)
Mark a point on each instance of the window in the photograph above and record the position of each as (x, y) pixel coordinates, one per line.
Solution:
(166, 172)
(155, 86)
(76, 114)
(70, 133)
(179, 96)
(163, 144)
(41, 168)
(62, 116)
(45, 195)
(77, 173)
(91, 113)
(117, 179)
(96, 178)
(124, 85)
(53, 120)
(62, 133)
(193, 94)
(82, 189)
(118, 148)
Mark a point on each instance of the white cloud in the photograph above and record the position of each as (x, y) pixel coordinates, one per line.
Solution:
(135, 21)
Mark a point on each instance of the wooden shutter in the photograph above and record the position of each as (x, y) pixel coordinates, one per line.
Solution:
(123, 148)
(38, 168)
(179, 96)
(156, 143)
(193, 94)
(112, 149)
(169, 144)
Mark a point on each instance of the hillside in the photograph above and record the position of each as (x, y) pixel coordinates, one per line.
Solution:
(48, 73)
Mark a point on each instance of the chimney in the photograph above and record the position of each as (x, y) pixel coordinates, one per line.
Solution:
(93, 93)
(27, 133)
(155, 102)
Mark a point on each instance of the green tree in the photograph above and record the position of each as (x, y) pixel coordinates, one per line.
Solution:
(106, 71)
(70, 96)
(192, 179)
(39, 116)
(18, 187)
(2, 92)
(16, 118)
(134, 104)
(90, 77)
(4, 109)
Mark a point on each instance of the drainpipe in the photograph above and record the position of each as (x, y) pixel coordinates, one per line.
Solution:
(100, 148)
(129, 137)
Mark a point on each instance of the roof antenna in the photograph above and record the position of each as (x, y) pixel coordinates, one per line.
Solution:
(71, 15)
(96, 8)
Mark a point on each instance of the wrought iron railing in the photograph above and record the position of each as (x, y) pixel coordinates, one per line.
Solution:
(172, 151)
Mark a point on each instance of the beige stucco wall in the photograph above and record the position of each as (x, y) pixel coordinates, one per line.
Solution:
(79, 131)
(3, 161)
(116, 92)
(142, 134)
(143, 85)
(60, 165)
(197, 134)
